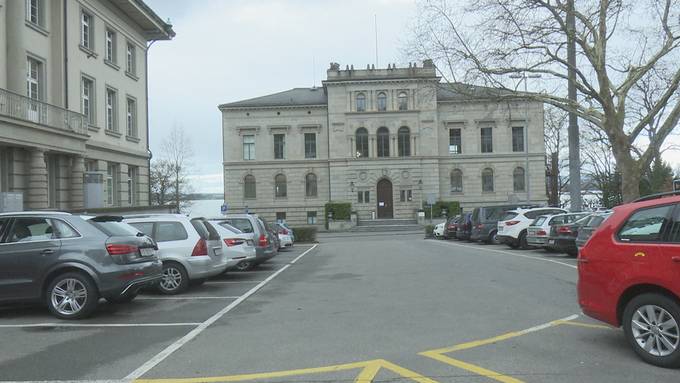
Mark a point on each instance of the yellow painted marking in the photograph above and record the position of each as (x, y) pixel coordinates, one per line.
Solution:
(263, 375)
(471, 368)
(640, 254)
(368, 373)
(404, 372)
(473, 344)
(588, 325)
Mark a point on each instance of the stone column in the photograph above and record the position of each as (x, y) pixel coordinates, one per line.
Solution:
(122, 185)
(373, 147)
(393, 146)
(76, 189)
(36, 196)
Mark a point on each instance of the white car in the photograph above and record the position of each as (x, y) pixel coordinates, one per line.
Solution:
(284, 234)
(438, 231)
(512, 228)
(236, 246)
(539, 230)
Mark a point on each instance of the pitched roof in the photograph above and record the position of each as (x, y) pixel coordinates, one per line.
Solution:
(463, 92)
(292, 97)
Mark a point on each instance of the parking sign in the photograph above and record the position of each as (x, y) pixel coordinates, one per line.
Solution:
(223, 209)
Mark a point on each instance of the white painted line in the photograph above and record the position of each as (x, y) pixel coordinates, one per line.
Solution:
(547, 325)
(512, 253)
(97, 325)
(161, 356)
(233, 281)
(185, 297)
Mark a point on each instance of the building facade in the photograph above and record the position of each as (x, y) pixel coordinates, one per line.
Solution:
(73, 101)
(385, 140)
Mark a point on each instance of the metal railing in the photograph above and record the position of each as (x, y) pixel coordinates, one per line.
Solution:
(24, 108)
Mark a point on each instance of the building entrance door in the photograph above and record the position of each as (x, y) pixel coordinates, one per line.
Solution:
(384, 199)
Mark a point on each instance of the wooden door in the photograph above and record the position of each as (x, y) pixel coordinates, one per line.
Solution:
(384, 199)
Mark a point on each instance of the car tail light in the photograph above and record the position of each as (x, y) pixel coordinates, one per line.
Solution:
(263, 241)
(564, 230)
(541, 232)
(121, 249)
(201, 248)
(233, 241)
(510, 223)
(480, 226)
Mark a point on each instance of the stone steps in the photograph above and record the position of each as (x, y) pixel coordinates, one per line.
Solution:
(386, 222)
(387, 225)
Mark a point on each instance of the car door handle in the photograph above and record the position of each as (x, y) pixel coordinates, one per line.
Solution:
(47, 252)
(676, 259)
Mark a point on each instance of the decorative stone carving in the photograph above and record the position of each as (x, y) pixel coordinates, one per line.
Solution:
(335, 66)
(363, 176)
(405, 174)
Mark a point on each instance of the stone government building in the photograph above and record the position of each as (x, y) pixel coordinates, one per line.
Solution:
(384, 140)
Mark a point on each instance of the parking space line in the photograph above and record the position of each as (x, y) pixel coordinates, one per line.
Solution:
(180, 298)
(587, 325)
(158, 358)
(227, 282)
(511, 253)
(29, 325)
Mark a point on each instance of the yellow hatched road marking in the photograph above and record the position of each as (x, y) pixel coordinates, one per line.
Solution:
(471, 367)
(368, 373)
(404, 372)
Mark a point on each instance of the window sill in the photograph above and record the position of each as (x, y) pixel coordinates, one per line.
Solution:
(89, 52)
(38, 28)
(132, 139)
(112, 64)
(281, 198)
(132, 75)
(93, 128)
(112, 133)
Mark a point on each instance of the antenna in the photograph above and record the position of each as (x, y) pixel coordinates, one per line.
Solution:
(375, 23)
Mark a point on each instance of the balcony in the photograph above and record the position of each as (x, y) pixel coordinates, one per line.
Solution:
(20, 107)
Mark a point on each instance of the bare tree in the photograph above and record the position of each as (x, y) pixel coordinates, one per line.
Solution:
(161, 181)
(620, 45)
(555, 134)
(176, 153)
(599, 167)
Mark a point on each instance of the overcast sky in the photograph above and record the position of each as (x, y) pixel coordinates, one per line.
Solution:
(228, 50)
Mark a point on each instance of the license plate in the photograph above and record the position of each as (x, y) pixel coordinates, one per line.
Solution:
(500, 229)
(146, 251)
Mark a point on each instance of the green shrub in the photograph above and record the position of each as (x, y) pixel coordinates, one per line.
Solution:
(304, 234)
(341, 211)
(429, 230)
(452, 209)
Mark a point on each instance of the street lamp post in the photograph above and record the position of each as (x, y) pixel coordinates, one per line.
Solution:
(523, 76)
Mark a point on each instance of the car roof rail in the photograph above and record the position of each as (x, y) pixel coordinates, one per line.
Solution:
(107, 218)
(35, 212)
(657, 195)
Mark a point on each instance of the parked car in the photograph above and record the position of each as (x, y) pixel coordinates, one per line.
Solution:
(284, 235)
(253, 228)
(236, 246)
(451, 227)
(589, 227)
(68, 262)
(485, 222)
(464, 227)
(512, 227)
(562, 236)
(289, 229)
(542, 227)
(191, 249)
(438, 231)
(629, 276)
(273, 234)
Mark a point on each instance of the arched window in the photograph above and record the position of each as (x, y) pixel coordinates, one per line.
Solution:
(382, 101)
(456, 181)
(280, 189)
(249, 186)
(362, 143)
(310, 185)
(404, 141)
(402, 101)
(383, 142)
(361, 102)
(487, 180)
(518, 180)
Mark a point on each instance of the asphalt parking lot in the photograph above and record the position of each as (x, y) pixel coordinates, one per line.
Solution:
(372, 308)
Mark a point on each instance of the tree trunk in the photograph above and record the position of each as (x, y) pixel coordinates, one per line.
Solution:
(626, 165)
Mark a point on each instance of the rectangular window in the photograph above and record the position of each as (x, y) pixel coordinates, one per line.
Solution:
(405, 196)
(131, 61)
(132, 185)
(487, 140)
(363, 197)
(646, 225)
(170, 231)
(279, 146)
(110, 46)
(360, 197)
(310, 145)
(111, 123)
(88, 101)
(86, 30)
(111, 184)
(280, 216)
(34, 78)
(131, 118)
(249, 147)
(311, 218)
(367, 195)
(517, 138)
(455, 144)
(35, 12)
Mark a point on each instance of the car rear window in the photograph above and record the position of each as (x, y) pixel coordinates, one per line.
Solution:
(170, 231)
(230, 228)
(114, 229)
(144, 227)
(242, 224)
(200, 228)
(539, 221)
(509, 215)
(559, 220)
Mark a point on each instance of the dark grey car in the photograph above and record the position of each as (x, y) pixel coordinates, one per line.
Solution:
(484, 225)
(68, 262)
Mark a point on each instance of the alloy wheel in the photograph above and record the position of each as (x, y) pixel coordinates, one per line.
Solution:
(172, 279)
(655, 330)
(69, 296)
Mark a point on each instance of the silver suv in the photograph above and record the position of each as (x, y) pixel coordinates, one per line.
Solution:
(253, 228)
(191, 249)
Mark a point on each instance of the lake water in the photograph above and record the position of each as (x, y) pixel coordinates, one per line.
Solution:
(205, 208)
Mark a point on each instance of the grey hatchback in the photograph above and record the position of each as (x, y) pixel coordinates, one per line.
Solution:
(68, 262)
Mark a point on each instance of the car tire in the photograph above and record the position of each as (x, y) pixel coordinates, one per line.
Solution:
(175, 279)
(522, 241)
(124, 299)
(75, 290)
(665, 310)
(493, 238)
(244, 266)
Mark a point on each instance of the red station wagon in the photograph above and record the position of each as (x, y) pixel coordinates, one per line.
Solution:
(629, 276)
